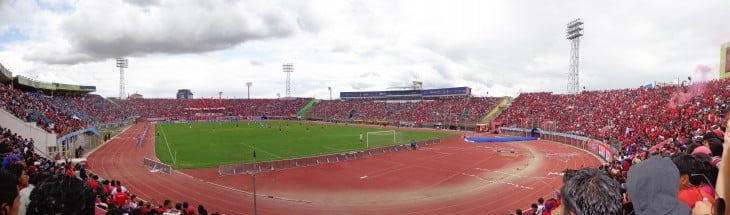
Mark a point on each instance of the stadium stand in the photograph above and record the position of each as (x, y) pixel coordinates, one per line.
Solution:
(59, 114)
(176, 108)
(685, 123)
(417, 113)
(669, 121)
(627, 115)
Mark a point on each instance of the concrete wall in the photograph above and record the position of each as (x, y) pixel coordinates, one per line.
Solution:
(42, 139)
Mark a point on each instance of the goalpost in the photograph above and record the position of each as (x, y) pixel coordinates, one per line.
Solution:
(380, 136)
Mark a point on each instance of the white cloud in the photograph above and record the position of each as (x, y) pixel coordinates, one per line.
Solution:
(101, 30)
(499, 47)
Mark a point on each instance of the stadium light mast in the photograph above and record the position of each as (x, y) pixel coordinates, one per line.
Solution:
(288, 68)
(574, 32)
(122, 63)
(330, 89)
(248, 92)
(220, 98)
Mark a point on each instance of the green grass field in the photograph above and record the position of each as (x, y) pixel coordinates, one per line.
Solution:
(206, 144)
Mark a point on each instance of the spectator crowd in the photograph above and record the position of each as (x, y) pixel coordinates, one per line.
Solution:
(32, 184)
(419, 112)
(59, 114)
(669, 140)
(644, 116)
(187, 108)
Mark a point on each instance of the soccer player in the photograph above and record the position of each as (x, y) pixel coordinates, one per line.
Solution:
(361, 137)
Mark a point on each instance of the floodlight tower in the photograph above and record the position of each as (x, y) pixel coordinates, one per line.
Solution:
(288, 68)
(122, 63)
(220, 98)
(573, 33)
(248, 92)
(330, 89)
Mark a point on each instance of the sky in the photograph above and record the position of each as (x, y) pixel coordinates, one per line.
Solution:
(496, 47)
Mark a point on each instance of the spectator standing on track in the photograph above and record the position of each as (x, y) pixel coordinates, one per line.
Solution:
(413, 144)
(139, 141)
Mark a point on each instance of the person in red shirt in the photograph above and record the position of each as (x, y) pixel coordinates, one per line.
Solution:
(69, 170)
(189, 208)
(688, 192)
(106, 190)
(716, 129)
(166, 206)
(626, 165)
(146, 208)
(120, 198)
(93, 183)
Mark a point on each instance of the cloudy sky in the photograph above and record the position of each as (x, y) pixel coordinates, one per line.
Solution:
(495, 47)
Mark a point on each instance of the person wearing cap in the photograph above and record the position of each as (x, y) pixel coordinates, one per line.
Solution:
(702, 150)
(652, 185)
(716, 150)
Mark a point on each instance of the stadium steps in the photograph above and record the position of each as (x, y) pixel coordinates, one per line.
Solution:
(496, 110)
(112, 102)
(306, 109)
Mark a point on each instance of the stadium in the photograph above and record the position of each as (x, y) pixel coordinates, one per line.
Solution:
(67, 149)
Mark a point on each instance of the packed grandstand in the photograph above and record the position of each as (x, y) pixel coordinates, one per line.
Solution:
(685, 122)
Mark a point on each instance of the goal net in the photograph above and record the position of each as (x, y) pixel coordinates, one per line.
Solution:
(382, 138)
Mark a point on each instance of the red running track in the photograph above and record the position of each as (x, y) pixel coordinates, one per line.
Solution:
(454, 177)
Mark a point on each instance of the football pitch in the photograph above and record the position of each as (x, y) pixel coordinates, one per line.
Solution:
(210, 144)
